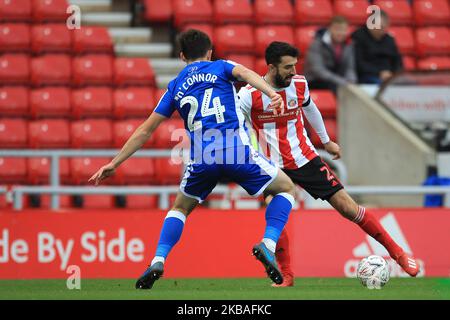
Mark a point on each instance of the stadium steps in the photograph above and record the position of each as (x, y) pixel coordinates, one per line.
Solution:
(162, 80)
(150, 50)
(131, 35)
(166, 66)
(108, 19)
(93, 5)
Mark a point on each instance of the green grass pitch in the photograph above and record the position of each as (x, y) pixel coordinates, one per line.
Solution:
(228, 289)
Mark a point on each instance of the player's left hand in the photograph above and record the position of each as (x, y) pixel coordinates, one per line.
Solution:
(103, 173)
(333, 149)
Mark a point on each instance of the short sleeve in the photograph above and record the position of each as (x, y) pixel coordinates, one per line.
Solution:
(165, 105)
(228, 67)
(245, 101)
(307, 97)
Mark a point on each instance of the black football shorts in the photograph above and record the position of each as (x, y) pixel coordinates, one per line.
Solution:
(316, 178)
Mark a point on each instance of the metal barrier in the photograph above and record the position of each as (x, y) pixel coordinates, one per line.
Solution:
(55, 189)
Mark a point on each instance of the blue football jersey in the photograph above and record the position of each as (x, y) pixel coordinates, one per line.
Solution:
(204, 95)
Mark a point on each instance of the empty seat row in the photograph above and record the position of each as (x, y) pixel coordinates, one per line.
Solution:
(34, 10)
(91, 201)
(130, 102)
(61, 69)
(421, 12)
(89, 133)
(77, 171)
(245, 39)
(55, 38)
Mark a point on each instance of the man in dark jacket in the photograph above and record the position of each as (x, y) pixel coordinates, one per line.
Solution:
(330, 58)
(376, 53)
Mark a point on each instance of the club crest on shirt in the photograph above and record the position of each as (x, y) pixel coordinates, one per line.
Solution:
(292, 104)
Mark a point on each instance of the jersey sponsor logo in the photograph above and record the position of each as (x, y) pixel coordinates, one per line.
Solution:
(371, 247)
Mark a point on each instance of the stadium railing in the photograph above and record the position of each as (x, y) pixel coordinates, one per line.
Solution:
(55, 189)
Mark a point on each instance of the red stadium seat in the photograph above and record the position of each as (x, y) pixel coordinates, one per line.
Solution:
(192, 11)
(13, 170)
(136, 171)
(304, 36)
(354, 10)
(50, 10)
(409, 63)
(133, 71)
(399, 11)
(14, 69)
(404, 38)
(326, 102)
(39, 170)
(92, 102)
(246, 60)
(332, 129)
(13, 133)
(431, 12)
(157, 10)
(50, 102)
(91, 133)
(261, 66)
(433, 41)
(13, 101)
(233, 39)
(330, 125)
(134, 102)
(14, 37)
(93, 70)
(313, 12)
(232, 11)
(15, 10)
(49, 133)
(51, 69)
(273, 12)
(267, 34)
(65, 201)
(169, 134)
(51, 38)
(159, 92)
(137, 201)
(434, 63)
(168, 171)
(98, 201)
(122, 130)
(93, 39)
(203, 27)
(81, 169)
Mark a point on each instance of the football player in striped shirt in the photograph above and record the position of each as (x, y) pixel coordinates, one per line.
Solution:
(284, 139)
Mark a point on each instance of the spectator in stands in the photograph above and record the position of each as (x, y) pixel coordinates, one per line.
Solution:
(376, 53)
(330, 59)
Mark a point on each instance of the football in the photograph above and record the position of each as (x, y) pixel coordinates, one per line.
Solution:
(373, 272)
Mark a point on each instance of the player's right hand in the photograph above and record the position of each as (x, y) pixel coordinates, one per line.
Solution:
(277, 104)
(103, 173)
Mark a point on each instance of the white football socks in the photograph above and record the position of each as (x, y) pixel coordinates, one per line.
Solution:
(157, 259)
(270, 244)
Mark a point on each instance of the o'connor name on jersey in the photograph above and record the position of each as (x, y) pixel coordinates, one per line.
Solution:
(199, 77)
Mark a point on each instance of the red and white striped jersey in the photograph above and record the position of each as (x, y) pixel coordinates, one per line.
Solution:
(283, 138)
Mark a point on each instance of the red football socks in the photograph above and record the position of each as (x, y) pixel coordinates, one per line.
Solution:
(282, 254)
(372, 227)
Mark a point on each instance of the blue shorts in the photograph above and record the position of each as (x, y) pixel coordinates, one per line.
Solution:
(254, 175)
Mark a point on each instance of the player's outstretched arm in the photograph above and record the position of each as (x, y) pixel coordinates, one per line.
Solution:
(134, 143)
(252, 78)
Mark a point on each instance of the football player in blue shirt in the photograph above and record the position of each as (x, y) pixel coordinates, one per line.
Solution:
(204, 95)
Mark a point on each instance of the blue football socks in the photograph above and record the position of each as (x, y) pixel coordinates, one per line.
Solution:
(170, 234)
(277, 214)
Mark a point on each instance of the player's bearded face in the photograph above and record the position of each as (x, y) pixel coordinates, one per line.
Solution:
(285, 71)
